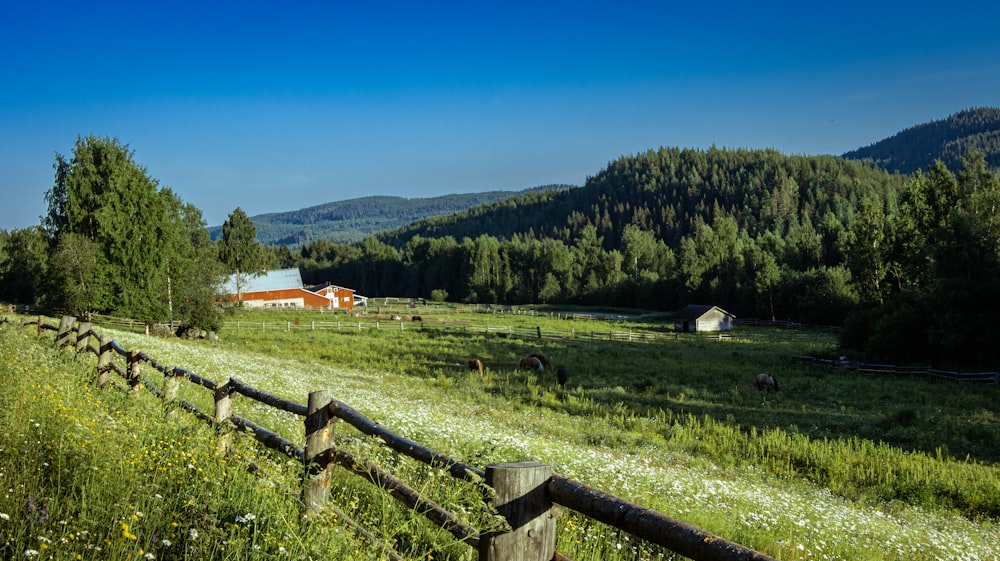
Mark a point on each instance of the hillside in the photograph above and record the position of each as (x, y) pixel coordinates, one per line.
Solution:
(669, 192)
(354, 219)
(947, 140)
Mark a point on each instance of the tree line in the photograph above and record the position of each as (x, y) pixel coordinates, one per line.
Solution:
(114, 241)
(905, 263)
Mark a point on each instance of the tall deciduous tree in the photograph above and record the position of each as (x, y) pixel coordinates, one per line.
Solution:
(194, 271)
(240, 252)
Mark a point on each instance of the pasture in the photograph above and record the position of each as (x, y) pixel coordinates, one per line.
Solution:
(834, 465)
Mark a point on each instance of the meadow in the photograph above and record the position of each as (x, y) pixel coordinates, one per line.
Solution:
(835, 465)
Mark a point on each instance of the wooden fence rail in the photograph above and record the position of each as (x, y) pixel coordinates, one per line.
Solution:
(924, 371)
(527, 494)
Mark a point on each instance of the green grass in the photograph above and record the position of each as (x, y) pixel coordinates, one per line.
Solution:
(95, 473)
(835, 465)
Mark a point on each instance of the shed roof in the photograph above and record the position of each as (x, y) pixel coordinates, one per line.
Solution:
(695, 311)
(271, 280)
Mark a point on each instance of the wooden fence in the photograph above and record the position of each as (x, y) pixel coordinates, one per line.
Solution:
(573, 332)
(526, 494)
(923, 371)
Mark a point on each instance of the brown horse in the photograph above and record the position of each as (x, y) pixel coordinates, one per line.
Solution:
(476, 365)
(543, 359)
(767, 382)
(531, 363)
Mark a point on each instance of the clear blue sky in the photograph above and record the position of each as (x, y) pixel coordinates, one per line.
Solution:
(274, 107)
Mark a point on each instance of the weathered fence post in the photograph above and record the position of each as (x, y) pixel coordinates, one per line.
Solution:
(223, 410)
(104, 360)
(319, 441)
(171, 383)
(521, 498)
(539, 328)
(65, 329)
(83, 336)
(133, 370)
(41, 324)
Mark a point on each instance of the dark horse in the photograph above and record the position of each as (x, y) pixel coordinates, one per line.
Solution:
(476, 365)
(767, 382)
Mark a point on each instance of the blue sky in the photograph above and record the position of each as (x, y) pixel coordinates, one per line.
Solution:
(274, 108)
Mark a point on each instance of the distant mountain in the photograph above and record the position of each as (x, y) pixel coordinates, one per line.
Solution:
(947, 140)
(355, 219)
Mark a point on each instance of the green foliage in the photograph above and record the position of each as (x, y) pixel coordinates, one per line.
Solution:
(239, 251)
(112, 233)
(23, 263)
(656, 230)
(930, 268)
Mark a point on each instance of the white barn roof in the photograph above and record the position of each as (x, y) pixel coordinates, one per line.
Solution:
(272, 280)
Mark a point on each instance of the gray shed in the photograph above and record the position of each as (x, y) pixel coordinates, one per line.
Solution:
(695, 317)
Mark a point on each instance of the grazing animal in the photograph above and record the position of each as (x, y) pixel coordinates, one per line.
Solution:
(561, 376)
(767, 382)
(476, 365)
(531, 363)
(543, 359)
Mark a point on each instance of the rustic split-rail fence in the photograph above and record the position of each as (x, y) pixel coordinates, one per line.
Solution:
(527, 494)
(899, 370)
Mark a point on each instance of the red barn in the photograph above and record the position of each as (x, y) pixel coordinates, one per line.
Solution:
(283, 288)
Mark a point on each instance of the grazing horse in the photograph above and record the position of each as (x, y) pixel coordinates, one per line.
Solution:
(531, 363)
(543, 359)
(767, 382)
(561, 376)
(476, 365)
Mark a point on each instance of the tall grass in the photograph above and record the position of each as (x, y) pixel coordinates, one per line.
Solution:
(676, 426)
(92, 473)
(876, 439)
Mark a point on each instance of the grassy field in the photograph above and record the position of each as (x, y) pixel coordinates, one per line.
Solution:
(833, 466)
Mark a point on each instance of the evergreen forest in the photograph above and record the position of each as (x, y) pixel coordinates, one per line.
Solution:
(905, 263)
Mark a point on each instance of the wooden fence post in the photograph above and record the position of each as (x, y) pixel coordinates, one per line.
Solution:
(319, 440)
(223, 411)
(65, 329)
(41, 322)
(171, 383)
(522, 499)
(104, 360)
(133, 370)
(83, 336)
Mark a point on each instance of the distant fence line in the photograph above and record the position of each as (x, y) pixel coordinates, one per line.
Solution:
(924, 371)
(412, 323)
(525, 492)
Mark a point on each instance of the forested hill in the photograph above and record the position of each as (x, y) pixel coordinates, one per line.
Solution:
(947, 140)
(670, 192)
(354, 219)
